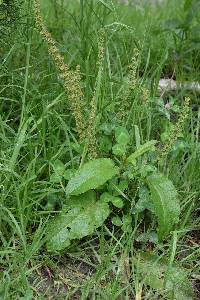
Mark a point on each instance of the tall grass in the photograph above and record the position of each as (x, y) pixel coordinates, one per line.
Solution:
(37, 127)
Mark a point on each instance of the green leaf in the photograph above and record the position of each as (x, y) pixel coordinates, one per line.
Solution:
(18, 144)
(117, 221)
(153, 269)
(92, 175)
(117, 202)
(59, 167)
(105, 144)
(83, 217)
(145, 237)
(81, 200)
(107, 128)
(60, 172)
(77, 147)
(144, 201)
(166, 134)
(52, 200)
(166, 204)
(137, 136)
(119, 149)
(122, 136)
(148, 146)
(106, 197)
(126, 220)
(120, 188)
(146, 169)
(68, 174)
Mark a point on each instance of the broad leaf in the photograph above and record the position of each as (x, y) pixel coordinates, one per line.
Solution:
(171, 284)
(60, 171)
(117, 202)
(166, 204)
(105, 144)
(82, 218)
(117, 221)
(106, 197)
(148, 146)
(122, 135)
(119, 149)
(92, 175)
(146, 237)
(126, 226)
(81, 200)
(144, 201)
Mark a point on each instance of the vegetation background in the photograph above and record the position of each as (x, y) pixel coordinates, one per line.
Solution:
(145, 243)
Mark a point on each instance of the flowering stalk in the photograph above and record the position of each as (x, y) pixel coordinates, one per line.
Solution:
(71, 79)
(175, 132)
(91, 134)
(130, 86)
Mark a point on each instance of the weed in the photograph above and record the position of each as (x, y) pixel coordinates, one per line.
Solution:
(85, 212)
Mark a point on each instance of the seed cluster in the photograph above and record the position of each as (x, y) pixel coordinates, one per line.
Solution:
(92, 117)
(176, 131)
(71, 79)
(129, 86)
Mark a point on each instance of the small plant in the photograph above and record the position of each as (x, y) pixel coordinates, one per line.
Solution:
(96, 188)
(91, 194)
(168, 108)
